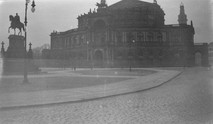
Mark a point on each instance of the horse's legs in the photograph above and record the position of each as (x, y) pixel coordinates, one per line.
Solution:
(14, 31)
(20, 32)
(23, 28)
(9, 29)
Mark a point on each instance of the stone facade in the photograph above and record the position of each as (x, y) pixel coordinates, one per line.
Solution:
(129, 32)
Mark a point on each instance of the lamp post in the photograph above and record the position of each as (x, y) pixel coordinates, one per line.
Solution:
(87, 51)
(133, 56)
(25, 41)
(130, 52)
(112, 53)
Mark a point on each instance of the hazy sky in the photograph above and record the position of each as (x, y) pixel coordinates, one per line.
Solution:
(61, 15)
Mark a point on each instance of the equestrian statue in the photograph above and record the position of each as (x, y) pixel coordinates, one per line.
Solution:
(15, 23)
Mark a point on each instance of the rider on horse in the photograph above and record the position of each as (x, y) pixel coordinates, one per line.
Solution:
(17, 18)
(15, 23)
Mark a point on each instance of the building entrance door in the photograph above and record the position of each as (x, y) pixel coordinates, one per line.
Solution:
(98, 58)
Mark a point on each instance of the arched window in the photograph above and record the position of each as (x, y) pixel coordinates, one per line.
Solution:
(130, 37)
(70, 40)
(119, 38)
(74, 41)
(140, 38)
(67, 42)
(81, 39)
(150, 36)
(78, 40)
(159, 37)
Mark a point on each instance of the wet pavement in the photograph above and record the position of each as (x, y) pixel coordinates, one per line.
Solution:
(187, 99)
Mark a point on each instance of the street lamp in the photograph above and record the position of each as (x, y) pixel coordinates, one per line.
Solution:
(130, 52)
(87, 50)
(112, 53)
(88, 54)
(25, 41)
(133, 41)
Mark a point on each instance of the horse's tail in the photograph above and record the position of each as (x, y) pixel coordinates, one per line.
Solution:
(11, 17)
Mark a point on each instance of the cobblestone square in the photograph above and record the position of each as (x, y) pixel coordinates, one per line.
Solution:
(187, 99)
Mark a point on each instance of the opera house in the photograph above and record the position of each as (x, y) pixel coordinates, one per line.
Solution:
(129, 32)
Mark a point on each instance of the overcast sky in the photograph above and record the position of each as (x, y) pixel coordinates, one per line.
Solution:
(61, 15)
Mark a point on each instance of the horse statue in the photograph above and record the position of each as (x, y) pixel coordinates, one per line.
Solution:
(15, 23)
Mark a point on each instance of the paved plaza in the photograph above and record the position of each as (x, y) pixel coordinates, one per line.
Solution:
(187, 99)
(62, 85)
(58, 78)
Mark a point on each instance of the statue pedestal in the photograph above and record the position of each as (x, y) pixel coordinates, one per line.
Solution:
(13, 61)
(16, 47)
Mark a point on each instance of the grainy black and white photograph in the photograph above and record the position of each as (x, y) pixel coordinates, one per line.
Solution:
(106, 62)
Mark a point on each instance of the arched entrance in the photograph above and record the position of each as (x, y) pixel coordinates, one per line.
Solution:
(201, 54)
(98, 58)
(198, 59)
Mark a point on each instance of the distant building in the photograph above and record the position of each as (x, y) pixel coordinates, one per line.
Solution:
(37, 51)
(129, 32)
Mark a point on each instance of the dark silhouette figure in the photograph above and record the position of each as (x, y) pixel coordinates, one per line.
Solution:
(17, 18)
(102, 4)
(15, 23)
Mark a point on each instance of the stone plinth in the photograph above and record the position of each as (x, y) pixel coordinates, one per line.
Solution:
(13, 60)
(16, 47)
